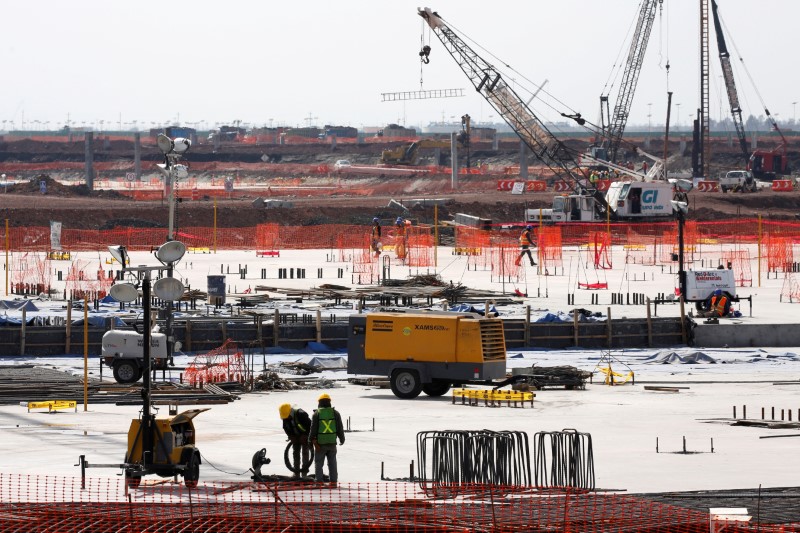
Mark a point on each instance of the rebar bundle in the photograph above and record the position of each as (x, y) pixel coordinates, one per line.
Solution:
(571, 461)
(487, 457)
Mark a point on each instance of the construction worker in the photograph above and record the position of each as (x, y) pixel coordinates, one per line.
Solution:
(400, 238)
(718, 305)
(525, 242)
(297, 426)
(375, 236)
(326, 428)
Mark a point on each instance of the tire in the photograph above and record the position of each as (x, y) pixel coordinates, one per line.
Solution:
(127, 371)
(192, 473)
(436, 388)
(287, 458)
(406, 384)
(132, 480)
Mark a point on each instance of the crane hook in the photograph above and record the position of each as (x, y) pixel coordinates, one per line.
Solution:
(424, 53)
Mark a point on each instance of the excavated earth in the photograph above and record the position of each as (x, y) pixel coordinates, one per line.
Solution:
(333, 197)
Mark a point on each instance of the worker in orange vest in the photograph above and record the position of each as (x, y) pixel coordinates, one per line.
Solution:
(525, 242)
(718, 305)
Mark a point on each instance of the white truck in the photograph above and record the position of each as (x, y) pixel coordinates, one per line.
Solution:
(738, 181)
(123, 351)
(632, 200)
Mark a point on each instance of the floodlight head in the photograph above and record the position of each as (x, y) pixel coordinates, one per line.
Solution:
(170, 252)
(680, 207)
(181, 171)
(120, 254)
(164, 143)
(124, 292)
(169, 289)
(181, 145)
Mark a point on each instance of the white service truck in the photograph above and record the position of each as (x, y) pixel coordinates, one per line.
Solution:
(738, 181)
(123, 352)
(628, 200)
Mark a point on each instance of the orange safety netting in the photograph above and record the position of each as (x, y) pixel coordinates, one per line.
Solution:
(331, 236)
(39, 504)
(780, 255)
(225, 363)
(505, 261)
(550, 248)
(419, 246)
(84, 281)
(739, 261)
(790, 291)
(30, 273)
(267, 240)
(364, 266)
(691, 246)
(641, 249)
(599, 250)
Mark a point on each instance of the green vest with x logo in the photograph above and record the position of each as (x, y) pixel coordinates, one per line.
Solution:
(327, 426)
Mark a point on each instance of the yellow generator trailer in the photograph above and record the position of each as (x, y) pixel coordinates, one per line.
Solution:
(173, 449)
(426, 352)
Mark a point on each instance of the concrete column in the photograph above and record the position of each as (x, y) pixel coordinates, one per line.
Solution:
(523, 160)
(495, 142)
(454, 160)
(89, 149)
(137, 155)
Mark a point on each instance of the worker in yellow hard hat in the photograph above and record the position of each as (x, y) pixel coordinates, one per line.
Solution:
(326, 428)
(297, 425)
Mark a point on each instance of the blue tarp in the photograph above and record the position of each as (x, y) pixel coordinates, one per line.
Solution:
(18, 305)
(469, 308)
(99, 321)
(311, 348)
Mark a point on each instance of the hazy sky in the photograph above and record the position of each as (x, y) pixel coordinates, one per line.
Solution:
(307, 62)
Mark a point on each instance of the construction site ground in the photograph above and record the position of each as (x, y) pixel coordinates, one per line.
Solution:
(326, 197)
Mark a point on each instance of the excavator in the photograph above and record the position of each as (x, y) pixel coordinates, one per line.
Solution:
(408, 154)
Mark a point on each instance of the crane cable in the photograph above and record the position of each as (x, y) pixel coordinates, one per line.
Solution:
(744, 66)
(617, 69)
(424, 50)
(466, 37)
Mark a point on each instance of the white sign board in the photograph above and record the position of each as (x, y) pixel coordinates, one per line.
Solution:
(519, 187)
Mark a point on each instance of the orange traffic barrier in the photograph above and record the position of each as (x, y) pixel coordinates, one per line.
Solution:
(708, 186)
(782, 186)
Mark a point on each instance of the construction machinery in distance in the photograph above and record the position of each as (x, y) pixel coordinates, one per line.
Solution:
(764, 164)
(613, 126)
(590, 203)
(408, 153)
(427, 351)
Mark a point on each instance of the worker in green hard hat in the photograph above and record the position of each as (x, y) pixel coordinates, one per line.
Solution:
(326, 428)
(297, 425)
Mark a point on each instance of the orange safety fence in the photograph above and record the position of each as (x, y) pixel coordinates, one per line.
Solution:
(38, 504)
(225, 363)
(599, 248)
(34, 504)
(790, 291)
(780, 254)
(550, 242)
(775, 234)
(739, 261)
(641, 249)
